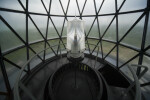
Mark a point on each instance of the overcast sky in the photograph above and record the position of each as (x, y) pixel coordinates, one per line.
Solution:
(36, 6)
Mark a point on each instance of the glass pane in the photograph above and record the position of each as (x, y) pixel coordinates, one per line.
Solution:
(53, 42)
(36, 60)
(98, 4)
(81, 4)
(36, 6)
(23, 2)
(46, 2)
(94, 31)
(125, 21)
(108, 7)
(55, 45)
(8, 35)
(125, 54)
(64, 40)
(55, 48)
(11, 4)
(16, 21)
(147, 42)
(56, 8)
(112, 57)
(119, 2)
(61, 47)
(41, 22)
(97, 50)
(134, 37)
(111, 32)
(73, 9)
(48, 52)
(51, 31)
(34, 34)
(92, 41)
(104, 22)
(88, 23)
(89, 8)
(91, 46)
(133, 5)
(107, 47)
(65, 29)
(64, 3)
(38, 47)
(58, 22)
(18, 57)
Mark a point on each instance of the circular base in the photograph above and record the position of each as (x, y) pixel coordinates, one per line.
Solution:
(79, 59)
(75, 83)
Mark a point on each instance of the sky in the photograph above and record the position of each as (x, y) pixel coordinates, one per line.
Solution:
(36, 6)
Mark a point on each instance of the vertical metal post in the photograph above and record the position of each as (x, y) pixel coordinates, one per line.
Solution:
(27, 40)
(98, 26)
(47, 29)
(3, 68)
(117, 51)
(143, 38)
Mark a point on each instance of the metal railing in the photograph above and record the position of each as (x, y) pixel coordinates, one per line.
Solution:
(136, 80)
(19, 85)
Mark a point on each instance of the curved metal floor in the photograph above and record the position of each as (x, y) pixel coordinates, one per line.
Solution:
(81, 90)
(36, 84)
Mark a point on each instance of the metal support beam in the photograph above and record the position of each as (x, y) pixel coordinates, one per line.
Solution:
(27, 37)
(5, 77)
(143, 38)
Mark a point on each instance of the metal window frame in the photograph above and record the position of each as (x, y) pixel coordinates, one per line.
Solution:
(141, 51)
